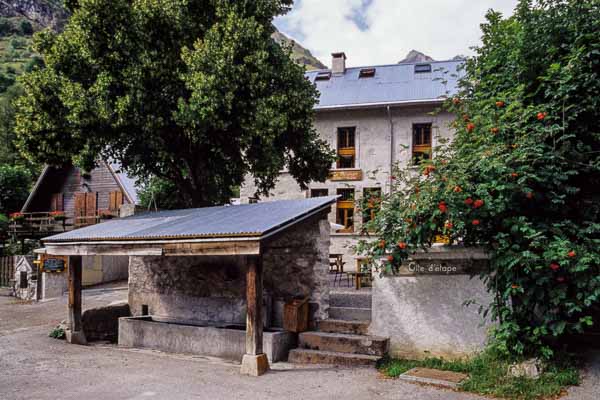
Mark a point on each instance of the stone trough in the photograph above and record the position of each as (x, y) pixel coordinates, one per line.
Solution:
(216, 340)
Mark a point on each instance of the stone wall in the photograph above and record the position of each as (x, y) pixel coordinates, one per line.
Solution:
(54, 284)
(213, 289)
(424, 314)
(101, 269)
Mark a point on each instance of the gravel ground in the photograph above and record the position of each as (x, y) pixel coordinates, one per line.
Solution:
(34, 366)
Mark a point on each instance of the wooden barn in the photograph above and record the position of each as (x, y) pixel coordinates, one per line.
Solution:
(64, 199)
(68, 198)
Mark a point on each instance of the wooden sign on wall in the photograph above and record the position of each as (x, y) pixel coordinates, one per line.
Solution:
(53, 264)
(346, 175)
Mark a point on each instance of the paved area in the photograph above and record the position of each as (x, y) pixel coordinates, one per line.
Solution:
(36, 367)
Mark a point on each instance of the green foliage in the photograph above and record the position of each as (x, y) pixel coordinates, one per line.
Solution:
(521, 176)
(57, 333)
(201, 103)
(161, 194)
(3, 226)
(488, 375)
(14, 188)
(26, 28)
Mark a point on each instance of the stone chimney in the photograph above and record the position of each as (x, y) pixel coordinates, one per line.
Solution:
(338, 63)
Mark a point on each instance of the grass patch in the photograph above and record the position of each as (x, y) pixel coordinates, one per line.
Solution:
(488, 376)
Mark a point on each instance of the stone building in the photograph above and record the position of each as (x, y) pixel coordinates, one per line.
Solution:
(374, 117)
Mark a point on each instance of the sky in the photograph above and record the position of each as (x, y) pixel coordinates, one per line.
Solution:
(374, 32)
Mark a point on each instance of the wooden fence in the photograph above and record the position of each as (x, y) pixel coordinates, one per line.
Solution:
(7, 270)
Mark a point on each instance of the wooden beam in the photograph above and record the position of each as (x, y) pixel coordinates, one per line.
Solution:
(228, 248)
(225, 248)
(254, 321)
(254, 362)
(103, 250)
(75, 333)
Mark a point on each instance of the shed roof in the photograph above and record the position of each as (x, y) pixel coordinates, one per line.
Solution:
(394, 84)
(252, 221)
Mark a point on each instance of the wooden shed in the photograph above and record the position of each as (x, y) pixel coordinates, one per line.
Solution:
(283, 247)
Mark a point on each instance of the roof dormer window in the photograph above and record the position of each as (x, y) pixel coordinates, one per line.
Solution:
(422, 68)
(323, 76)
(366, 73)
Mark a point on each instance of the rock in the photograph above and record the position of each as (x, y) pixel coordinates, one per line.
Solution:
(531, 369)
(102, 324)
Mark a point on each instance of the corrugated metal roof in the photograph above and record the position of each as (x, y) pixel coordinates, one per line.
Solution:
(392, 84)
(248, 220)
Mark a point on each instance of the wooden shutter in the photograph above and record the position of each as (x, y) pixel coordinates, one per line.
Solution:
(115, 200)
(57, 203)
(80, 200)
(91, 204)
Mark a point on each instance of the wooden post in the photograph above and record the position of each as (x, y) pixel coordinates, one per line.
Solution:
(75, 333)
(254, 362)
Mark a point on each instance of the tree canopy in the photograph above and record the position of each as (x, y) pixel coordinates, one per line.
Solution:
(14, 188)
(194, 92)
(521, 177)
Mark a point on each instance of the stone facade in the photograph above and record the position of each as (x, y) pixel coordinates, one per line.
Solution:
(213, 289)
(376, 131)
(424, 314)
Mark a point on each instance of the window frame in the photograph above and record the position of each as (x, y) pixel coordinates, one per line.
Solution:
(421, 147)
(347, 149)
(345, 210)
(324, 192)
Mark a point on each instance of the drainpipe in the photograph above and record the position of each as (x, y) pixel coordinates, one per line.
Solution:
(389, 112)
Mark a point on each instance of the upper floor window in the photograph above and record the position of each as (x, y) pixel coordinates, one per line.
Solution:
(421, 145)
(422, 68)
(346, 147)
(367, 73)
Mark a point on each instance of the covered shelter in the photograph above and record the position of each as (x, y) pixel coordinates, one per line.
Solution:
(285, 243)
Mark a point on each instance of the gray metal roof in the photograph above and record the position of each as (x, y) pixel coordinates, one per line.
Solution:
(248, 220)
(392, 84)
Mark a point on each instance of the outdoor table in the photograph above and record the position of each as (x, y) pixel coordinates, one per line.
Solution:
(357, 276)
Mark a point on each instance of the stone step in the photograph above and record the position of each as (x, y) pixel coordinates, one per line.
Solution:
(344, 343)
(350, 299)
(350, 313)
(306, 356)
(341, 326)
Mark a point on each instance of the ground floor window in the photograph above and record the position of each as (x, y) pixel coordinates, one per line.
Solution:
(345, 210)
(371, 203)
(319, 192)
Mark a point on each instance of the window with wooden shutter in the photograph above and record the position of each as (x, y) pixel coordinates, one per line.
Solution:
(57, 202)
(115, 200)
(86, 208)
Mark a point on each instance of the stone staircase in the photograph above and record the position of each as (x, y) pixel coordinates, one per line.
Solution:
(343, 339)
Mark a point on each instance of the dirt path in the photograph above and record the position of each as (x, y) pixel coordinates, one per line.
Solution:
(34, 366)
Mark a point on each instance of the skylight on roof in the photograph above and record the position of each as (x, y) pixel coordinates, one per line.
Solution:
(422, 68)
(367, 73)
(323, 76)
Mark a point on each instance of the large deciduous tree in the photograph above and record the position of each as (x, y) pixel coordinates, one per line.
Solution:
(195, 92)
(521, 177)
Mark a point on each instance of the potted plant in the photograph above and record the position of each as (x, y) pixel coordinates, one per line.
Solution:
(17, 217)
(58, 216)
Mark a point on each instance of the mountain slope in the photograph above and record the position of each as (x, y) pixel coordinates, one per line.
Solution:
(416, 56)
(301, 55)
